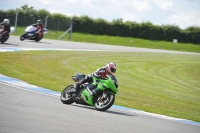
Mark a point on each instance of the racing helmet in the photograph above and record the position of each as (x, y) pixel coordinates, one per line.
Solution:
(6, 21)
(111, 68)
(39, 21)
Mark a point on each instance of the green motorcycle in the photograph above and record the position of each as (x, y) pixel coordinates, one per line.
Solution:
(101, 101)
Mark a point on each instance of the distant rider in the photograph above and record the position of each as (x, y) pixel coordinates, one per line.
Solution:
(101, 73)
(6, 25)
(40, 29)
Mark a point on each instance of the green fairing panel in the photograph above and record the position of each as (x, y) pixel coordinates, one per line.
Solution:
(105, 84)
(102, 84)
(87, 97)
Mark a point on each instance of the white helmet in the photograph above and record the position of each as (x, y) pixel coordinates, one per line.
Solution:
(39, 21)
(111, 68)
(6, 21)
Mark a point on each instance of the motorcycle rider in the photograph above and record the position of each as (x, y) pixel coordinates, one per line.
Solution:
(101, 73)
(40, 30)
(6, 29)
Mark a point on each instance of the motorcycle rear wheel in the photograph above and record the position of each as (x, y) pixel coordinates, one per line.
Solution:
(66, 98)
(102, 105)
(23, 37)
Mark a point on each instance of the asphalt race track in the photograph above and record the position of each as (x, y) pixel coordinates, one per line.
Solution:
(14, 42)
(23, 111)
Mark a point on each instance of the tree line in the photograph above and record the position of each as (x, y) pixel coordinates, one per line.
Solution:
(85, 24)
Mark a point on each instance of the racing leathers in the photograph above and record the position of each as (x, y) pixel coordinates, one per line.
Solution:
(99, 73)
(40, 30)
(6, 29)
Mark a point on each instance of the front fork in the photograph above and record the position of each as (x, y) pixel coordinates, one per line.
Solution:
(104, 96)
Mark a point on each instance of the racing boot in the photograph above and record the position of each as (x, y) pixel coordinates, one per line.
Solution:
(75, 89)
(77, 86)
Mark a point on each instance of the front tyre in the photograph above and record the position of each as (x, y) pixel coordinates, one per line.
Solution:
(104, 104)
(4, 38)
(37, 39)
(65, 97)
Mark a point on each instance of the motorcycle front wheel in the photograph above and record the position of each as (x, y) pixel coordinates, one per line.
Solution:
(104, 104)
(65, 97)
(37, 39)
(4, 38)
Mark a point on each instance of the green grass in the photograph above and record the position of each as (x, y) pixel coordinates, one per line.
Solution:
(120, 41)
(166, 84)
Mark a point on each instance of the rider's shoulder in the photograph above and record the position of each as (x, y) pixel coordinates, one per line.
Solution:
(101, 69)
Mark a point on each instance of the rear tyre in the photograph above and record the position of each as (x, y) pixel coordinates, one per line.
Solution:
(65, 97)
(23, 37)
(103, 105)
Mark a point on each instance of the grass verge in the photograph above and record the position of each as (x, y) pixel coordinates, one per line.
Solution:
(120, 41)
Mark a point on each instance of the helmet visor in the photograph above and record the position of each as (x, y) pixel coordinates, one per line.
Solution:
(112, 70)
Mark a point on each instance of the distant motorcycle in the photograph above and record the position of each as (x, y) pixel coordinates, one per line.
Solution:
(6, 37)
(30, 34)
